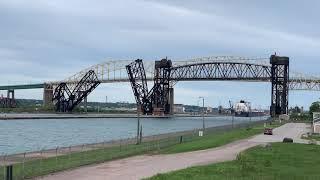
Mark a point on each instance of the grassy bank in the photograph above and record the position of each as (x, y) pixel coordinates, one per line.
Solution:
(280, 161)
(191, 142)
(212, 140)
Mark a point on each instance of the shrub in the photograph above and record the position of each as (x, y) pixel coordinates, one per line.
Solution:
(245, 165)
(313, 142)
(287, 140)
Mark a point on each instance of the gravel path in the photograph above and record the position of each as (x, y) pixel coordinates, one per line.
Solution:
(148, 165)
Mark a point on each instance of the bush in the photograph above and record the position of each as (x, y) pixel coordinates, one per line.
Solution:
(313, 142)
(287, 140)
(267, 163)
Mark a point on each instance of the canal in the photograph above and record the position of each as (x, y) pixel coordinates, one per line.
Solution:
(18, 136)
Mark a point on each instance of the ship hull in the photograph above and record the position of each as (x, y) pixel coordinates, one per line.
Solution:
(242, 114)
(247, 114)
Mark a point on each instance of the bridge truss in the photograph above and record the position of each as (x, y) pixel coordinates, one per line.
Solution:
(138, 80)
(301, 82)
(115, 71)
(66, 99)
(221, 71)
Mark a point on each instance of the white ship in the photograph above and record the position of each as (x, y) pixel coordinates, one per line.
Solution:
(243, 109)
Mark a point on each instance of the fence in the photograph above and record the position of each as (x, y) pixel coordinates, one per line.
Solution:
(44, 162)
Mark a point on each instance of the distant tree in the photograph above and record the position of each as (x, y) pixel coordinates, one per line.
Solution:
(315, 107)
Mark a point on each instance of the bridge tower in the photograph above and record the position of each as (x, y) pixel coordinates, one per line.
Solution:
(159, 100)
(280, 88)
(162, 90)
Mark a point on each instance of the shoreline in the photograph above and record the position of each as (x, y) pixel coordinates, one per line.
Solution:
(30, 116)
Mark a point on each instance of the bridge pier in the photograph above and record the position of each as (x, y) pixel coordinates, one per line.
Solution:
(280, 88)
(10, 101)
(47, 95)
(10, 94)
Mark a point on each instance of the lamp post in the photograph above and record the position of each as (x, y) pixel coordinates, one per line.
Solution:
(203, 124)
(138, 125)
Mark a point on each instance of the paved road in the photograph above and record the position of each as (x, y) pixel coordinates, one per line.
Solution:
(292, 130)
(148, 165)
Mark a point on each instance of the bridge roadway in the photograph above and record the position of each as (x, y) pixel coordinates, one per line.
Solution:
(297, 84)
(22, 86)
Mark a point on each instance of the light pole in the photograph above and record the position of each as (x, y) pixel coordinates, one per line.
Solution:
(250, 113)
(203, 124)
(138, 125)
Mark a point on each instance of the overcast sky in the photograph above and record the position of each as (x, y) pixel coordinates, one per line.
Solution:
(51, 40)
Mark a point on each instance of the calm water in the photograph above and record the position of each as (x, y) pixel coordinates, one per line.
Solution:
(19, 136)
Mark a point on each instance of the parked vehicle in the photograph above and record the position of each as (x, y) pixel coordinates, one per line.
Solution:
(268, 131)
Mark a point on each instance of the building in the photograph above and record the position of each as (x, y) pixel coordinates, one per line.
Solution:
(178, 108)
(316, 122)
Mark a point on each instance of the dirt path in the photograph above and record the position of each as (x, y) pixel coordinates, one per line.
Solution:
(145, 166)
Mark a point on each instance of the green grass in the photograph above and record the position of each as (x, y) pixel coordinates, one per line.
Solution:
(216, 139)
(280, 161)
(46, 166)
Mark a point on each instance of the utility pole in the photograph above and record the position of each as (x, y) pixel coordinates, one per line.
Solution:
(232, 111)
(138, 125)
(86, 104)
(250, 113)
(203, 123)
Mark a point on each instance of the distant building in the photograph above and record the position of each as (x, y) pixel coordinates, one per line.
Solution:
(178, 108)
(296, 110)
(316, 122)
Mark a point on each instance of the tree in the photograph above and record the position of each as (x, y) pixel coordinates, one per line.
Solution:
(315, 107)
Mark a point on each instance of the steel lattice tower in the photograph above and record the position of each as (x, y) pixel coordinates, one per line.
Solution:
(280, 88)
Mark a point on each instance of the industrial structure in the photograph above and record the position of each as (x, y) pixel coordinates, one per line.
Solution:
(166, 73)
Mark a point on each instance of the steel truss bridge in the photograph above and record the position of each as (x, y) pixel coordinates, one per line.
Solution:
(215, 68)
(219, 68)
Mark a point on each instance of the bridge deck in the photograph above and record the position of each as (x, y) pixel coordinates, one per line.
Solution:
(24, 86)
(293, 82)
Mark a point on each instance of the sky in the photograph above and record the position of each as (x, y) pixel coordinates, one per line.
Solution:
(44, 40)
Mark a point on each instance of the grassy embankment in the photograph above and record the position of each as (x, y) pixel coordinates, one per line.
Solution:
(280, 161)
(46, 166)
